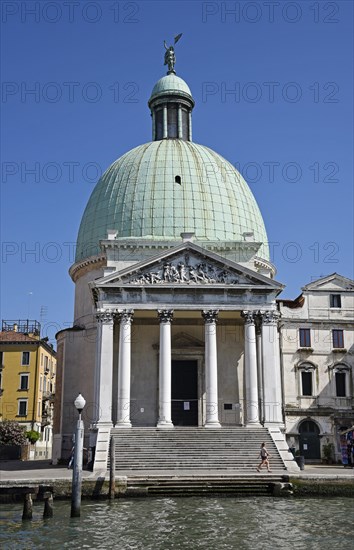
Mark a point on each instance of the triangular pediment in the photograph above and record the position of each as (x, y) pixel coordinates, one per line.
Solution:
(184, 341)
(331, 283)
(187, 265)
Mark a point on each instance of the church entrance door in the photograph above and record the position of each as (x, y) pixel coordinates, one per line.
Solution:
(185, 392)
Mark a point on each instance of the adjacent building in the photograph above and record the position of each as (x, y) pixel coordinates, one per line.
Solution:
(27, 380)
(317, 354)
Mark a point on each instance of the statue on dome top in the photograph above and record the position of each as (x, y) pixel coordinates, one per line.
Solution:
(170, 58)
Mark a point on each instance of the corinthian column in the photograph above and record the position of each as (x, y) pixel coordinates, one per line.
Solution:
(211, 370)
(251, 378)
(104, 367)
(165, 420)
(271, 369)
(124, 368)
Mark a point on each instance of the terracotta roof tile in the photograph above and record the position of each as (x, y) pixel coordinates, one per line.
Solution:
(12, 336)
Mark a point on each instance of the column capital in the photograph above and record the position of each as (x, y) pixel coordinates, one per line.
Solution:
(125, 316)
(249, 317)
(165, 315)
(269, 317)
(210, 315)
(105, 316)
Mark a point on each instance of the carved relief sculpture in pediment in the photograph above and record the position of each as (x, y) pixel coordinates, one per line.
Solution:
(185, 270)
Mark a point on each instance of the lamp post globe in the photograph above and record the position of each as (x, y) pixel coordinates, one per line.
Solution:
(80, 403)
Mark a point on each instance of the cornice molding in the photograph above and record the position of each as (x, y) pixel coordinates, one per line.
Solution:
(79, 269)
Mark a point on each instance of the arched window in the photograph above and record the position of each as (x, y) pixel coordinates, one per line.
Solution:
(308, 427)
(306, 379)
(341, 380)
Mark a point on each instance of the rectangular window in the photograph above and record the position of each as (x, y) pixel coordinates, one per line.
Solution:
(305, 338)
(306, 380)
(185, 125)
(22, 407)
(45, 384)
(172, 118)
(159, 124)
(340, 384)
(338, 340)
(335, 300)
(46, 364)
(23, 381)
(41, 359)
(25, 358)
(1, 358)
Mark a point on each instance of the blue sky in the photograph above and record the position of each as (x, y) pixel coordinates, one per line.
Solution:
(273, 88)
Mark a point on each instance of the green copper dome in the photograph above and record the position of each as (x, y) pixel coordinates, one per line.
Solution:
(163, 188)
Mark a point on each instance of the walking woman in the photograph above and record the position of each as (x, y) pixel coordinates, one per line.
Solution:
(264, 456)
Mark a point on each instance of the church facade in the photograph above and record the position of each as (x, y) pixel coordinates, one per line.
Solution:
(176, 318)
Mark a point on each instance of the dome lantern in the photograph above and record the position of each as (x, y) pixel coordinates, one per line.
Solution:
(171, 103)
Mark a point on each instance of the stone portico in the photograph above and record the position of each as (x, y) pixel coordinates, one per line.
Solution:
(189, 307)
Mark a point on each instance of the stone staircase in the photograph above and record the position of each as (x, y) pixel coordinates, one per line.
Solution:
(153, 452)
(201, 485)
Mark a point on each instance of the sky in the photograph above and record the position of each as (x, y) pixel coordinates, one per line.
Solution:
(273, 85)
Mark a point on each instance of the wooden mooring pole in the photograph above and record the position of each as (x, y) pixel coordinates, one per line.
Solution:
(27, 506)
(48, 505)
(40, 492)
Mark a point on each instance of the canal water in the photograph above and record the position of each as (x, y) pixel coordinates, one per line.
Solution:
(185, 523)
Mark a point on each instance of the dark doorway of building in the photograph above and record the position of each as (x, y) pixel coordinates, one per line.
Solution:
(185, 393)
(309, 440)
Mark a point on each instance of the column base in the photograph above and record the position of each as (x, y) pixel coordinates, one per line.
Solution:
(164, 425)
(252, 423)
(212, 425)
(276, 425)
(123, 424)
(101, 424)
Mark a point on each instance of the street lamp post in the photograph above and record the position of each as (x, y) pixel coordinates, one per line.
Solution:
(78, 452)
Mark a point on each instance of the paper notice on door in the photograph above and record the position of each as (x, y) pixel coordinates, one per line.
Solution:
(304, 446)
(186, 405)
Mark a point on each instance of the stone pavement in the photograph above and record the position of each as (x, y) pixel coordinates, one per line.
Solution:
(40, 470)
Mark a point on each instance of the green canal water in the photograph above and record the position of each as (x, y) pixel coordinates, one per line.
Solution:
(185, 523)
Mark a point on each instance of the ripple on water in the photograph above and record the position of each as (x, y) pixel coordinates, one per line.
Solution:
(184, 523)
